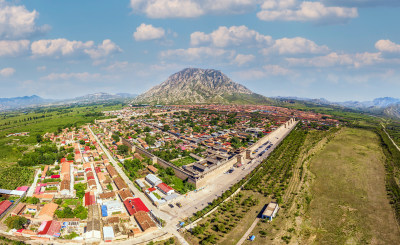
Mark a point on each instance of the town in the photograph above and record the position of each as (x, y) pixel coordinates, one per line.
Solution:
(142, 173)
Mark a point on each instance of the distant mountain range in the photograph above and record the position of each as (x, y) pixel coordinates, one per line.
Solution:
(386, 105)
(200, 86)
(34, 100)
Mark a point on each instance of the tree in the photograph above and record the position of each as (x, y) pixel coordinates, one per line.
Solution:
(82, 142)
(166, 127)
(39, 138)
(16, 222)
(115, 137)
(147, 129)
(170, 171)
(80, 190)
(123, 149)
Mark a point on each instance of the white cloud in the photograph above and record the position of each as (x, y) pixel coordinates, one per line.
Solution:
(263, 72)
(168, 8)
(242, 59)
(232, 36)
(61, 47)
(297, 45)
(364, 3)
(82, 76)
(198, 53)
(190, 8)
(17, 22)
(106, 48)
(13, 48)
(294, 10)
(146, 32)
(387, 46)
(334, 59)
(6, 72)
(276, 70)
(41, 68)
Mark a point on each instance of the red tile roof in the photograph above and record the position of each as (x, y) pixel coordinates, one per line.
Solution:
(134, 205)
(164, 187)
(49, 228)
(89, 199)
(4, 205)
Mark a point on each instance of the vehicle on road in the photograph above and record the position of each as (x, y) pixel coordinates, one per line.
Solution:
(179, 204)
(171, 205)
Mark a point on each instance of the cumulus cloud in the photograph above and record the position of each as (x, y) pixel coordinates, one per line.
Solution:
(242, 59)
(17, 22)
(334, 59)
(13, 48)
(106, 48)
(146, 32)
(297, 45)
(6, 72)
(197, 53)
(294, 10)
(81, 76)
(363, 3)
(387, 46)
(276, 70)
(265, 71)
(62, 47)
(190, 8)
(230, 36)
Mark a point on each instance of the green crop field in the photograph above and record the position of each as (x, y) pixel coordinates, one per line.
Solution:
(36, 122)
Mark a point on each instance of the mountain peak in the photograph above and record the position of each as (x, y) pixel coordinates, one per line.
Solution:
(196, 85)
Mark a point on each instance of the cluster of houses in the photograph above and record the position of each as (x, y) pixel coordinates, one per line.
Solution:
(86, 182)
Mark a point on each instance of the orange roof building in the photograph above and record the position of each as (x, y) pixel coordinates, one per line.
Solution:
(47, 211)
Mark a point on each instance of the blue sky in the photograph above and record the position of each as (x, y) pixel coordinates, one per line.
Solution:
(335, 49)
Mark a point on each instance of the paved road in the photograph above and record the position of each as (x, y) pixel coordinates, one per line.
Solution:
(196, 201)
(131, 186)
(171, 223)
(33, 186)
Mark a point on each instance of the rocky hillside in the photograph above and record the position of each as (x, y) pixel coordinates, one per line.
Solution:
(197, 86)
(19, 102)
(393, 111)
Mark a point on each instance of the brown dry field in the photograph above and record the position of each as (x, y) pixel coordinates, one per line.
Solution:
(349, 203)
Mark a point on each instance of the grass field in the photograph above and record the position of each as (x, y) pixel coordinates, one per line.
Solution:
(349, 203)
(184, 161)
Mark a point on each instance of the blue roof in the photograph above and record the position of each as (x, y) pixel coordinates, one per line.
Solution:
(252, 238)
(104, 211)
